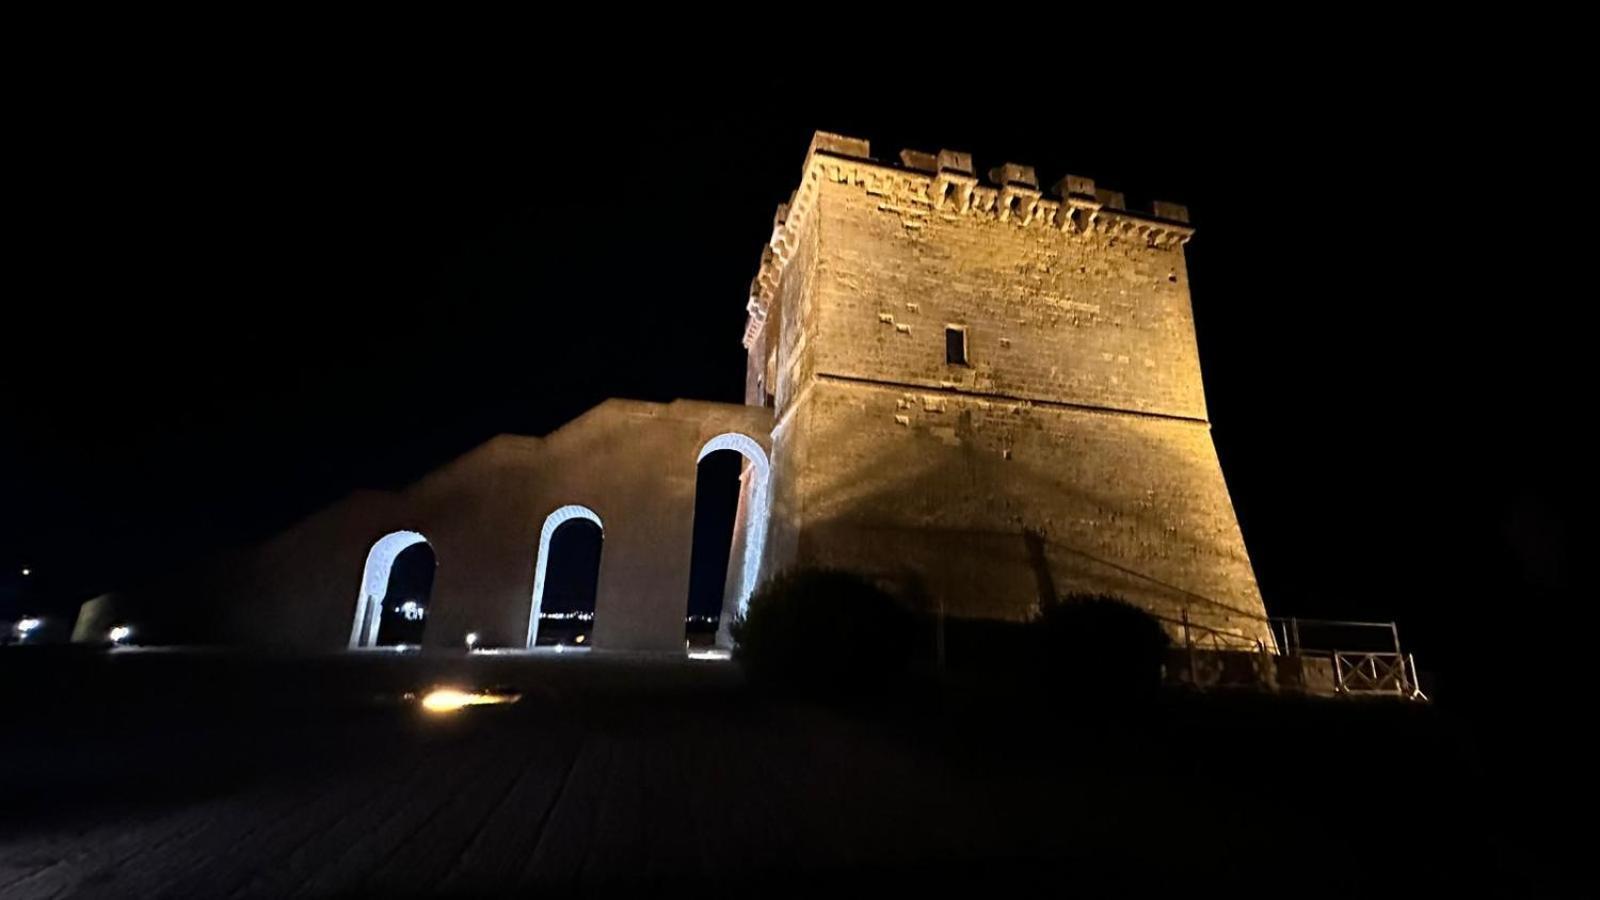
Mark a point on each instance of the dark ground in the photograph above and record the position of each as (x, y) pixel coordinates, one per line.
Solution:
(154, 774)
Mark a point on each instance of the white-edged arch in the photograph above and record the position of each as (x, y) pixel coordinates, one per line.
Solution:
(375, 584)
(551, 522)
(755, 523)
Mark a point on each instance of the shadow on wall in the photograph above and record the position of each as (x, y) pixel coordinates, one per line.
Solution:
(907, 518)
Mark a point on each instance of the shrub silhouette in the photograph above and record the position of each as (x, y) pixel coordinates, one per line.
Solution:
(1097, 644)
(822, 632)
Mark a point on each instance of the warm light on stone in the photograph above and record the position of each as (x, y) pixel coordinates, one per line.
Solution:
(955, 366)
(979, 391)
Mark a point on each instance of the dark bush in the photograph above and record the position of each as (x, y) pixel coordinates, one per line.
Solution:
(822, 632)
(1095, 644)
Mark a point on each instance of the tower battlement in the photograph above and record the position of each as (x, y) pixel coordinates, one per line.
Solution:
(946, 184)
(955, 166)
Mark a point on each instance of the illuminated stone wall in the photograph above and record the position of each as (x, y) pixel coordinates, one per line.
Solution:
(633, 463)
(1079, 417)
(1070, 452)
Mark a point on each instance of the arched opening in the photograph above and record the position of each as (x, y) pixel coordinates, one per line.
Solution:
(396, 586)
(566, 577)
(729, 530)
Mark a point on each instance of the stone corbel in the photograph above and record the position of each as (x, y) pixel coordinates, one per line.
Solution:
(955, 182)
(1168, 237)
(1046, 211)
(984, 200)
(1019, 191)
(1018, 203)
(953, 191)
(779, 243)
(1079, 216)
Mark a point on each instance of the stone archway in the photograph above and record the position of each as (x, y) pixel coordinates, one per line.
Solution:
(375, 584)
(750, 523)
(541, 566)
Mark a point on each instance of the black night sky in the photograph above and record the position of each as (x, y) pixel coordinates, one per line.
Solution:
(234, 295)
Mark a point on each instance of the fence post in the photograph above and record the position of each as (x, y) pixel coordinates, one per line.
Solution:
(1188, 644)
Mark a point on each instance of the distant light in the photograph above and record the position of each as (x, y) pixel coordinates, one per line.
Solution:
(579, 639)
(26, 626)
(120, 633)
(472, 639)
(27, 571)
(711, 654)
(561, 648)
(412, 610)
(442, 700)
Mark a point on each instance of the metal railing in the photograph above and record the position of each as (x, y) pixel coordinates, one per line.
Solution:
(1365, 658)
(1372, 673)
(1214, 669)
(1376, 636)
(1205, 637)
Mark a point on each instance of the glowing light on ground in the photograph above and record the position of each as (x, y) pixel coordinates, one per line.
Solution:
(119, 633)
(710, 654)
(472, 639)
(26, 626)
(443, 700)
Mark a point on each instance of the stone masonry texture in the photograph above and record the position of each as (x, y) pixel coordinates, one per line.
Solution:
(1078, 416)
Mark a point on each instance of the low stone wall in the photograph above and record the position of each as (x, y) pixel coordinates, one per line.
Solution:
(1237, 669)
(632, 464)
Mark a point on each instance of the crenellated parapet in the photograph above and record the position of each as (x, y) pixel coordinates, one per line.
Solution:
(946, 185)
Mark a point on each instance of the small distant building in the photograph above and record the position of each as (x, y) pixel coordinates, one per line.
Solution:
(96, 617)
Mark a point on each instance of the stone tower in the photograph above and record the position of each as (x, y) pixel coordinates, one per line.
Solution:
(987, 394)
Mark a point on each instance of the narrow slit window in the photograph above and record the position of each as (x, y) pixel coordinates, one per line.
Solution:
(955, 345)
